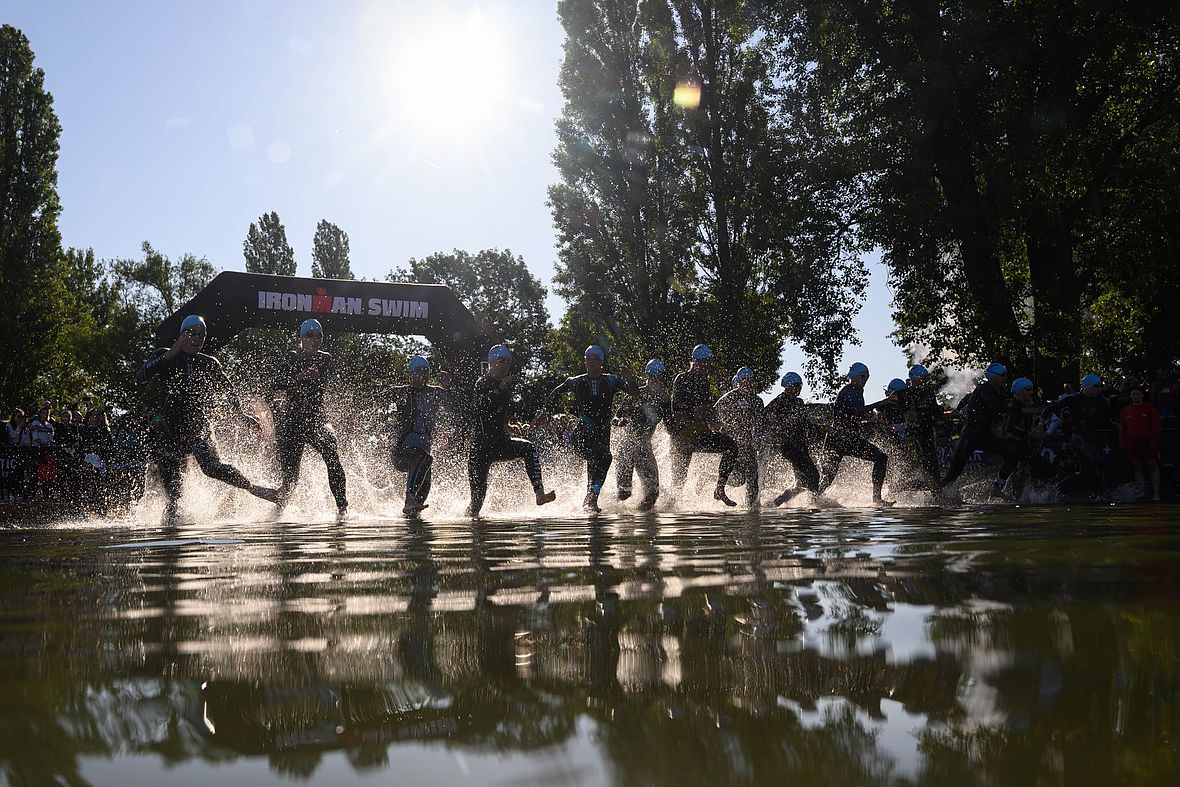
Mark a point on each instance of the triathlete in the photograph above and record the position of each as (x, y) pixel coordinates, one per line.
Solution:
(694, 424)
(1086, 413)
(302, 378)
(1023, 413)
(192, 385)
(418, 405)
(1089, 423)
(983, 412)
(796, 434)
(638, 417)
(740, 413)
(922, 411)
(594, 394)
(845, 439)
(491, 442)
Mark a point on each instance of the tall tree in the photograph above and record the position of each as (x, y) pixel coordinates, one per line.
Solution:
(329, 253)
(623, 208)
(159, 286)
(995, 138)
(40, 320)
(677, 216)
(266, 248)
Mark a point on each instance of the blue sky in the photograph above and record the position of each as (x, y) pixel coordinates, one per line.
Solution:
(182, 123)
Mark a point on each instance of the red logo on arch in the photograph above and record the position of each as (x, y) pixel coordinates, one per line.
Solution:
(321, 302)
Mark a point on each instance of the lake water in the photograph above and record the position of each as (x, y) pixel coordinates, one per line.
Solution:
(918, 646)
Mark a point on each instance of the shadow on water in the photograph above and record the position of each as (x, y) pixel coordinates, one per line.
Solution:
(1004, 646)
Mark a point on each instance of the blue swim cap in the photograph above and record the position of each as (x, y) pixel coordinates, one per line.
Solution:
(791, 378)
(418, 364)
(499, 352)
(701, 352)
(594, 351)
(1021, 384)
(308, 326)
(857, 370)
(995, 370)
(743, 373)
(918, 372)
(895, 385)
(193, 321)
(655, 366)
(1091, 380)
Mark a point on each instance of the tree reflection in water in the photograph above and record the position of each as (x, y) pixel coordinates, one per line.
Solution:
(686, 649)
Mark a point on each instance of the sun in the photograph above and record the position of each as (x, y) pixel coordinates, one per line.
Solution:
(449, 76)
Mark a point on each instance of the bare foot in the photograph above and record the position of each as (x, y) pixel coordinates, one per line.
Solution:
(413, 505)
(719, 494)
(546, 497)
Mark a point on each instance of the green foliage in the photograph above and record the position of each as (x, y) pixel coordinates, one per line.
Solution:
(119, 334)
(683, 222)
(997, 144)
(567, 345)
(157, 286)
(499, 290)
(266, 249)
(41, 322)
(624, 207)
(329, 253)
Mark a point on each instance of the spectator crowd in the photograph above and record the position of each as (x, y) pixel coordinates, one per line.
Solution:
(71, 454)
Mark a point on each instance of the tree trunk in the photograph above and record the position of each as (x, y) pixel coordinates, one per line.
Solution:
(1056, 291)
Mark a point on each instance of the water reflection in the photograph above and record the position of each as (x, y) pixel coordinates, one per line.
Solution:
(923, 647)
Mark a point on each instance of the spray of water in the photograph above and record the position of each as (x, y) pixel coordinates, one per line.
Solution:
(376, 492)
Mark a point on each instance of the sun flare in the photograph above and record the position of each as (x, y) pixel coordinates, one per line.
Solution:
(449, 76)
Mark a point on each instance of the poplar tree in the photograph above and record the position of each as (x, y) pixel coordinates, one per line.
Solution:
(266, 248)
(43, 325)
(677, 214)
(624, 206)
(329, 253)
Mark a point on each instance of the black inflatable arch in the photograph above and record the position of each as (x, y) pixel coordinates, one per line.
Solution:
(234, 301)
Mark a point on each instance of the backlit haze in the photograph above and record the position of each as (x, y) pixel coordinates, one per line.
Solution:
(414, 126)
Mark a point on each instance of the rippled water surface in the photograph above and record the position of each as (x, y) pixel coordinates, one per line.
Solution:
(973, 646)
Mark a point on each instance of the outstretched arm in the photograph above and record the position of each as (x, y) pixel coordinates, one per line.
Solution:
(152, 366)
(231, 395)
(554, 397)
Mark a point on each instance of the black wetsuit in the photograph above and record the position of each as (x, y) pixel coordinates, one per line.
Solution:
(593, 402)
(691, 433)
(796, 434)
(983, 409)
(302, 423)
(845, 439)
(192, 385)
(641, 414)
(417, 417)
(1085, 416)
(741, 416)
(1089, 425)
(491, 442)
(1020, 417)
(921, 410)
